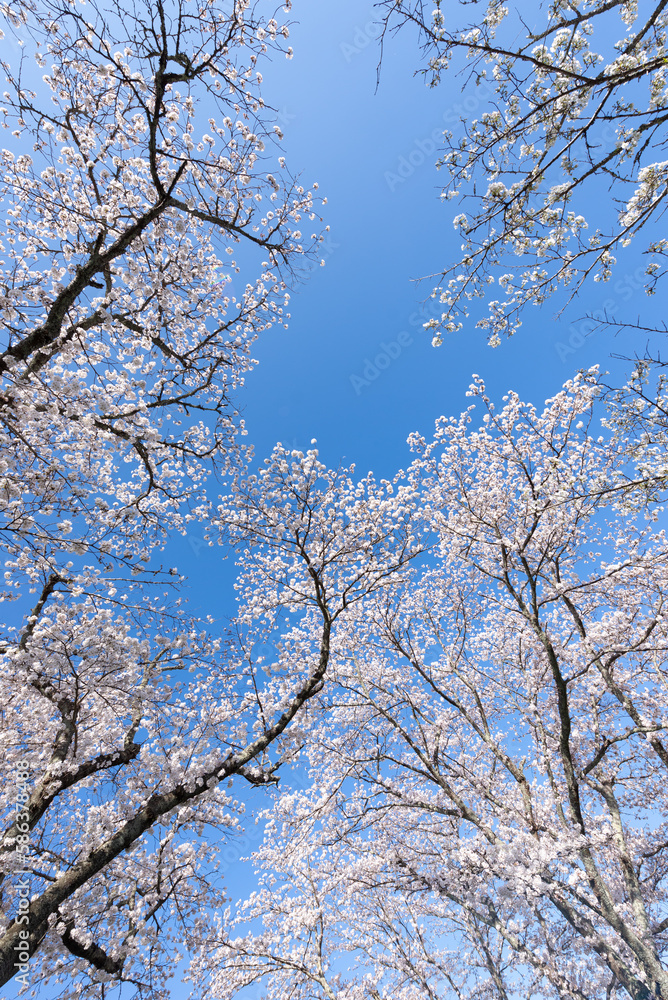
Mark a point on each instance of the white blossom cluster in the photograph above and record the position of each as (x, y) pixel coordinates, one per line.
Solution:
(577, 104)
(485, 812)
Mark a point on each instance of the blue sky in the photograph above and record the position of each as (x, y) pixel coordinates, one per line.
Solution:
(357, 140)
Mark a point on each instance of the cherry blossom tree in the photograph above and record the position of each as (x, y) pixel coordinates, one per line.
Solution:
(486, 814)
(123, 732)
(575, 100)
(143, 164)
(143, 178)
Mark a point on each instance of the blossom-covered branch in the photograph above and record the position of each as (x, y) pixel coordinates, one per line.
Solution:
(579, 101)
(128, 722)
(143, 162)
(486, 816)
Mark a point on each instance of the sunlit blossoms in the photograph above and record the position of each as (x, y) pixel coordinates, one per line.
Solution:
(143, 248)
(487, 762)
(578, 107)
(447, 689)
(137, 177)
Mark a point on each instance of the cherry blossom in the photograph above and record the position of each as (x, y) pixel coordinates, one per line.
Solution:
(145, 244)
(128, 723)
(137, 177)
(575, 96)
(485, 810)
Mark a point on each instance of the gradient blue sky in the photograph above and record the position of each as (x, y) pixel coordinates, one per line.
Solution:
(352, 137)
